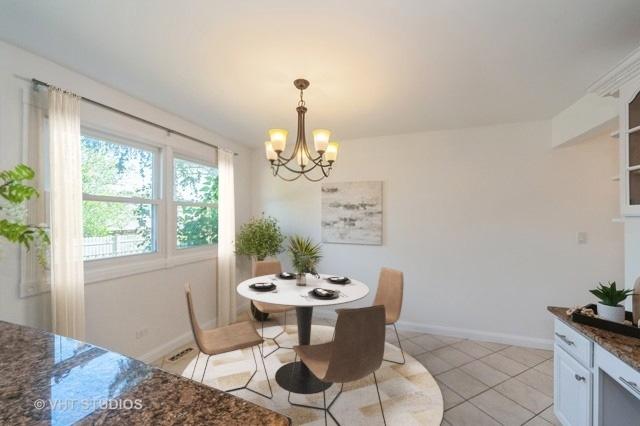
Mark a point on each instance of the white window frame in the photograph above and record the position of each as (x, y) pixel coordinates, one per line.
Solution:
(167, 255)
(206, 250)
(157, 213)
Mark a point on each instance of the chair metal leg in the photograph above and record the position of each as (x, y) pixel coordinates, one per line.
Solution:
(375, 379)
(278, 346)
(206, 364)
(401, 350)
(326, 408)
(246, 385)
(196, 365)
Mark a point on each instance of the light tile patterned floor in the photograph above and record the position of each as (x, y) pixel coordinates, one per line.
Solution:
(486, 383)
(483, 383)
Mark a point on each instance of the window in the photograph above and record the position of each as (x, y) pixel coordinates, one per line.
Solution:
(195, 193)
(120, 187)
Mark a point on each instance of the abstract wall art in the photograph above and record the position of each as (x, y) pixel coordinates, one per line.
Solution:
(352, 212)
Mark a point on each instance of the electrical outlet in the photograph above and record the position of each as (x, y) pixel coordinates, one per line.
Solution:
(582, 237)
(142, 333)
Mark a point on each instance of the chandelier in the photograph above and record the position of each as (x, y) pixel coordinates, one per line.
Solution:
(301, 162)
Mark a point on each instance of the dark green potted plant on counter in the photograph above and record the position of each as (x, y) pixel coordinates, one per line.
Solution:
(305, 256)
(609, 307)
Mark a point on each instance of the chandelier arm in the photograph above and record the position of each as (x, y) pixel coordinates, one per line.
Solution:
(296, 177)
(324, 175)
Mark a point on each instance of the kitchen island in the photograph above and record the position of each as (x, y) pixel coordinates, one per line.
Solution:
(51, 379)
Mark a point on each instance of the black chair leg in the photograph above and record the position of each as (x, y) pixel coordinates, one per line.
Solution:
(246, 385)
(400, 346)
(195, 365)
(375, 379)
(326, 408)
(278, 346)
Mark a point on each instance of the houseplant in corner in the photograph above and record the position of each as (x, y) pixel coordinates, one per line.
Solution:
(609, 307)
(305, 256)
(259, 238)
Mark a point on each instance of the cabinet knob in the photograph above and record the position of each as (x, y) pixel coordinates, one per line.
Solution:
(579, 378)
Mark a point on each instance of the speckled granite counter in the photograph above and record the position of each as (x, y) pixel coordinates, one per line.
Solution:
(50, 379)
(624, 347)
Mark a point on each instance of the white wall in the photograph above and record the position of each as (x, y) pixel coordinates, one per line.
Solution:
(115, 308)
(483, 222)
(584, 119)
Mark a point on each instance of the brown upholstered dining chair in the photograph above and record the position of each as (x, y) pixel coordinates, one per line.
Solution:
(229, 338)
(355, 352)
(389, 294)
(270, 267)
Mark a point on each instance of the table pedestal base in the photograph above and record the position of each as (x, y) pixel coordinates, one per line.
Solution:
(295, 376)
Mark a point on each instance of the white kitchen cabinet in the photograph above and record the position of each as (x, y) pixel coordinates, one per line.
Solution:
(573, 397)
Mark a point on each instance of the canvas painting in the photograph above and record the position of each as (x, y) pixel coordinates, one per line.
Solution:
(352, 212)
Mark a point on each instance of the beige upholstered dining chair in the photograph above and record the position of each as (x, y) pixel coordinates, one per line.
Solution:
(229, 338)
(389, 294)
(356, 351)
(269, 267)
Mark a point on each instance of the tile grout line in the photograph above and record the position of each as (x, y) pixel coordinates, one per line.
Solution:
(515, 402)
(489, 387)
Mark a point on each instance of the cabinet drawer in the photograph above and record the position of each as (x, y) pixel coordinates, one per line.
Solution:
(574, 343)
(618, 370)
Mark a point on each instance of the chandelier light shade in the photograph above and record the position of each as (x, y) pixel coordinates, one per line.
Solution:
(314, 166)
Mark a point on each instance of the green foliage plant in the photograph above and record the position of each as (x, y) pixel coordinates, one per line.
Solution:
(305, 255)
(260, 237)
(14, 192)
(609, 295)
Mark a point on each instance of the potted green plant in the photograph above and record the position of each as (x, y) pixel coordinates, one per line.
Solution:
(305, 256)
(14, 193)
(609, 307)
(259, 238)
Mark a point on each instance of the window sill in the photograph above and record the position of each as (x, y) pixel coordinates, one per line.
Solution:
(119, 269)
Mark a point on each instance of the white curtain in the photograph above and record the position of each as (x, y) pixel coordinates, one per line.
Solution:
(67, 269)
(226, 240)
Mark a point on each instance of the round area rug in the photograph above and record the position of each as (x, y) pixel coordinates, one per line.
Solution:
(409, 393)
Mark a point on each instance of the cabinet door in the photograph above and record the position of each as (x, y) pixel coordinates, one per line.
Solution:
(572, 390)
(630, 147)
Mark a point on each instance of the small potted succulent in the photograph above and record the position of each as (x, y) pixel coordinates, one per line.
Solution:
(305, 256)
(609, 307)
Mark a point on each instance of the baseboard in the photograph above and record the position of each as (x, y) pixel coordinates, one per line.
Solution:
(487, 336)
(172, 344)
(183, 339)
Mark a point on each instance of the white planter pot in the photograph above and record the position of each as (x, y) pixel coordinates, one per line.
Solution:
(611, 313)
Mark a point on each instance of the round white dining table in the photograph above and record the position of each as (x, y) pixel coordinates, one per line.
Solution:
(296, 377)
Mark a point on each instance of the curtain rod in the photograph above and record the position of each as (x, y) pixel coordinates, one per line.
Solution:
(135, 117)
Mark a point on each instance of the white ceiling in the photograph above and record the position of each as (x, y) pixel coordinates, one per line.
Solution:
(376, 67)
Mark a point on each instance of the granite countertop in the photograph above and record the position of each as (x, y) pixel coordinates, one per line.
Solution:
(50, 379)
(624, 347)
